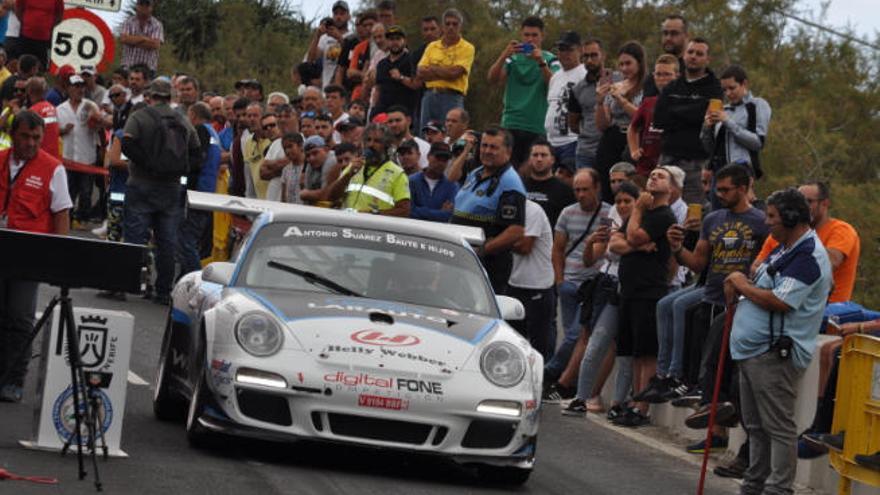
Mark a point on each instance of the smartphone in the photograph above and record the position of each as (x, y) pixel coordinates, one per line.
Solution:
(716, 105)
(605, 222)
(695, 210)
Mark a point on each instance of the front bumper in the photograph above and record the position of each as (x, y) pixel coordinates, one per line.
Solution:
(370, 415)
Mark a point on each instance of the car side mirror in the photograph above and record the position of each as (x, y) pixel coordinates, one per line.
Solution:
(219, 272)
(511, 308)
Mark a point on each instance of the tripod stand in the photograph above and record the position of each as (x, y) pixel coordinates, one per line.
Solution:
(85, 396)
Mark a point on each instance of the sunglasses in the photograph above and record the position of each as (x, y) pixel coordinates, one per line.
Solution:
(114, 95)
(266, 127)
(308, 115)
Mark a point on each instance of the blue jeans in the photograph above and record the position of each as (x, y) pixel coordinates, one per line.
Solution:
(436, 105)
(602, 337)
(566, 152)
(585, 160)
(154, 207)
(671, 314)
(570, 304)
(189, 240)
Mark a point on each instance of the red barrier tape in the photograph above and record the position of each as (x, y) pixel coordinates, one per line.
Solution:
(6, 475)
(82, 167)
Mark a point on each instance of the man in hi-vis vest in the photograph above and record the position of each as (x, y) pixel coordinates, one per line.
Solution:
(373, 183)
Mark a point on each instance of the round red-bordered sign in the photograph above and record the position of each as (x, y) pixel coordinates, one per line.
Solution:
(81, 38)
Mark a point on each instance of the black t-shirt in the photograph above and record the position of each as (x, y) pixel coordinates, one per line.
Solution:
(7, 91)
(552, 195)
(391, 91)
(646, 275)
(348, 44)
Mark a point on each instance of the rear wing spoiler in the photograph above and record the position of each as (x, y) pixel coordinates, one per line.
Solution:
(252, 207)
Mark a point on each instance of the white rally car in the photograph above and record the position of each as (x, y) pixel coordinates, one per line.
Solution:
(352, 328)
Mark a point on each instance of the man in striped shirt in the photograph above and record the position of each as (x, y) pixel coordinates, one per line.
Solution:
(141, 37)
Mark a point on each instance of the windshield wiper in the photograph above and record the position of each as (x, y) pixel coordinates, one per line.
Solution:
(315, 279)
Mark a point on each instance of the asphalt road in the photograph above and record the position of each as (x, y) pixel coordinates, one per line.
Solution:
(574, 455)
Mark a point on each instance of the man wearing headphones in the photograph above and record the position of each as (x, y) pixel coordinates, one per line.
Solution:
(773, 338)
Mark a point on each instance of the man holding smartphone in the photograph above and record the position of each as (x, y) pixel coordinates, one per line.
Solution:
(525, 70)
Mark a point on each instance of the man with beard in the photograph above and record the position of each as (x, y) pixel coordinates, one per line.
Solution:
(680, 112)
(395, 75)
(432, 193)
(544, 188)
(399, 122)
(582, 105)
(730, 239)
(674, 40)
(374, 184)
(218, 112)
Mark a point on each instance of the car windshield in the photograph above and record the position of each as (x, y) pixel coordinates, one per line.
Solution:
(378, 265)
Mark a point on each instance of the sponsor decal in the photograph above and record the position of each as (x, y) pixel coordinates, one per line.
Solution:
(220, 372)
(386, 387)
(531, 404)
(178, 360)
(376, 308)
(379, 402)
(64, 414)
(377, 337)
(384, 352)
(363, 235)
(220, 365)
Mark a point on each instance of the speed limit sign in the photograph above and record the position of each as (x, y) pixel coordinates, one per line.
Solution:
(81, 38)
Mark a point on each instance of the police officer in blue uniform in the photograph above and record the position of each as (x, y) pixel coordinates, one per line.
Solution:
(493, 198)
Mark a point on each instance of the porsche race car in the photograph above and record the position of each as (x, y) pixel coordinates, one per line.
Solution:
(353, 328)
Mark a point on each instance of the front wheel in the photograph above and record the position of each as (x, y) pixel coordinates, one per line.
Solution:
(197, 435)
(167, 406)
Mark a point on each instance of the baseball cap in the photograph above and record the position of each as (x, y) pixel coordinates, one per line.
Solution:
(313, 142)
(434, 125)
(395, 30)
(380, 118)
(677, 174)
(407, 145)
(440, 150)
(159, 87)
(87, 69)
(75, 79)
(65, 71)
(567, 164)
(569, 39)
(340, 4)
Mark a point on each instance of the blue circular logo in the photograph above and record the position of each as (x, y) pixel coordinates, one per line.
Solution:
(64, 418)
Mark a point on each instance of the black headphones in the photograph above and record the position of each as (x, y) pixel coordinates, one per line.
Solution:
(792, 206)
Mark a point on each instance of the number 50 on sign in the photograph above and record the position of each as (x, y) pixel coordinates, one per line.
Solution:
(81, 38)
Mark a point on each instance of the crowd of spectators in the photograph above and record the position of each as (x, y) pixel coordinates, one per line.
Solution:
(617, 192)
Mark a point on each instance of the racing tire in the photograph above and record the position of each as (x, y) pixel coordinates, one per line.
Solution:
(167, 406)
(197, 435)
(506, 475)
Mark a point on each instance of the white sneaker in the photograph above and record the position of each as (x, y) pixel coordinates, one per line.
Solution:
(101, 231)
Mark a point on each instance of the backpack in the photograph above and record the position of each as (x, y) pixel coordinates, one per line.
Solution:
(170, 150)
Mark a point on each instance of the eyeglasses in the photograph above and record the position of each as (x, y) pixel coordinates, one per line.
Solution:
(670, 33)
(114, 95)
(308, 115)
(270, 125)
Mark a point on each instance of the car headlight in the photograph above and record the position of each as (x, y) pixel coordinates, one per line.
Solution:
(258, 334)
(503, 364)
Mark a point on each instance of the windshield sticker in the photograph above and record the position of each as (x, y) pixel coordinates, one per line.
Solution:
(362, 235)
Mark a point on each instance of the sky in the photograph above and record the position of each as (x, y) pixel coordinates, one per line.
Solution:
(862, 15)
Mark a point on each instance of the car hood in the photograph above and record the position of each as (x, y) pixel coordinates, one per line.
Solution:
(368, 333)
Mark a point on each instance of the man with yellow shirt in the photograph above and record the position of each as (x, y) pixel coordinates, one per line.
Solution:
(445, 68)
